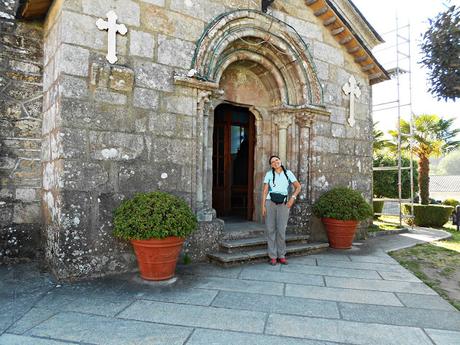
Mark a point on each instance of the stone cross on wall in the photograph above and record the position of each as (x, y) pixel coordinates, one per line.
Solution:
(351, 88)
(112, 27)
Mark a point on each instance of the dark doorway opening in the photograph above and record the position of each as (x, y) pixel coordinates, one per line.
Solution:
(233, 162)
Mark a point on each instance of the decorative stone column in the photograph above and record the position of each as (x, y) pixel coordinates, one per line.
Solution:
(304, 121)
(283, 121)
(206, 238)
(203, 99)
(204, 93)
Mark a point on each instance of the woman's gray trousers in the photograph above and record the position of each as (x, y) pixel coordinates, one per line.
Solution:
(276, 221)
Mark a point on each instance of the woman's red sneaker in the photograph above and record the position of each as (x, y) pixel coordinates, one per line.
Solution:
(283, 261)
(273, 262)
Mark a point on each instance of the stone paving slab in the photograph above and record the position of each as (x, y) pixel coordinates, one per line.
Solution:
(282, 277)
(424, 301)
(196, 316)
(331, 256)
(32, 318)
(379, 285)
(374, 259)
(209, 270)
(401, 276)
(262, 266)
(210, 337)
(91, 304)
(277, 304)
(186, 296)
(302, 260)
(103, 330)
(344, 331)
(361, 265)
(444, 337)
(331, 271)
(12, 339)
(12, 309)
(401, 316)
(342, 295)
(267, 288)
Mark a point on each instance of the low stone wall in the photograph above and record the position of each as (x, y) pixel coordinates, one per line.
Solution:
(20, 132)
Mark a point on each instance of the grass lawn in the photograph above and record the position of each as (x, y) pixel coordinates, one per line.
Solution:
(437, 264)
(385, 223)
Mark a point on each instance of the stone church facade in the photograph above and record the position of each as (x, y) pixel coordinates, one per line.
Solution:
(200, 95)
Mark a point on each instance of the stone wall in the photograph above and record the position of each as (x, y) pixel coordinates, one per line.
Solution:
(112, 130)
(341, 155)
(20, 131)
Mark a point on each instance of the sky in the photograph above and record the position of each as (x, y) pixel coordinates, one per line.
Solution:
(414, 14)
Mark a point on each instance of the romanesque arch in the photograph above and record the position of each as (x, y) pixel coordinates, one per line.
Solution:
(252, 36)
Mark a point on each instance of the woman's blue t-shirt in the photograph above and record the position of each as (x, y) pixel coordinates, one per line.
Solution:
(281, 184)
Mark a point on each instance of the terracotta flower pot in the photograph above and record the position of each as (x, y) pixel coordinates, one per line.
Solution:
(340, 232)
(157, 258)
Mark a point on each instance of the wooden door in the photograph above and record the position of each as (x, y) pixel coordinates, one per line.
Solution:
(233, 162)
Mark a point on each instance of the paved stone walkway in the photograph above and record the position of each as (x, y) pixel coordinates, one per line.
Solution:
(359, 296)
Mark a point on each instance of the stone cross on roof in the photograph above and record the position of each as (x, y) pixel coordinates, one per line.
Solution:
(352, 88)
(112, 27)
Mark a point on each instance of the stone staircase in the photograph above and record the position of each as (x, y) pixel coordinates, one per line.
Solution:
(247, 243)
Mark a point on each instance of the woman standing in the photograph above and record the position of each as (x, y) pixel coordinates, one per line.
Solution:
(275, 207)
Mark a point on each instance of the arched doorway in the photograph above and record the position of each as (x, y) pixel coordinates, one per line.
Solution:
(233, 162)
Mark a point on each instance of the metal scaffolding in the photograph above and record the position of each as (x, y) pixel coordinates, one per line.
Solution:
(398, 48)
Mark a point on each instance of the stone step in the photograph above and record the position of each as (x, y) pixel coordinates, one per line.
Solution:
(259, 242)
(229, 259)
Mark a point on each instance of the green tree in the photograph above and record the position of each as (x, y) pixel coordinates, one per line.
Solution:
(385, 182)
(379, 144)
(432, 137)
(441, 54)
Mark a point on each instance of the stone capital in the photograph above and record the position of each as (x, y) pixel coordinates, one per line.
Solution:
(283, 120)
(304, 119)
(195, 83)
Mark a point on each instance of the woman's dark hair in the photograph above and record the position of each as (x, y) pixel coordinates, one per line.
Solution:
(270, 159)
(273, 170)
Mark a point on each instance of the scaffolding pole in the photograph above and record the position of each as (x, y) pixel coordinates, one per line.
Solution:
(402, 40)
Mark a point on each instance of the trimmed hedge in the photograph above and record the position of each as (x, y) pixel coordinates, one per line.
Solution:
(153, 215)
(451, 202)
(429, 215)
(342, 203)
(377, 205)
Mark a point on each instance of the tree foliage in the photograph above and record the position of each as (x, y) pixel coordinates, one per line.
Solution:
(432, 137)
(380, 143)
(342, 203)
(441, 49)
(385, 183)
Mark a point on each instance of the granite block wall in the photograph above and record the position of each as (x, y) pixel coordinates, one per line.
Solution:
(110, 130)
(21, 67)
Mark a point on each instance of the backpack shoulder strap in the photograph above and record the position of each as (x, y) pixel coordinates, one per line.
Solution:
(285, 173)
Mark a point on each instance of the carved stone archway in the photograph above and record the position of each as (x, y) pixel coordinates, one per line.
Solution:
(273, 55)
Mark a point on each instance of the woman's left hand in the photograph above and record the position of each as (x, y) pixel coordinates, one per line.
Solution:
(290, 203)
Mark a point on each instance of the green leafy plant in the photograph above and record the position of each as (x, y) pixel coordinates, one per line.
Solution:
(342, 203)
(377, 205)
(153, 215)
(432, 136)
(451, 202)
(441, 49)
(385, 182)
(429, 215)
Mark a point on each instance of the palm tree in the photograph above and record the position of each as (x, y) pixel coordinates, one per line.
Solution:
(379, 143)
(432, 137)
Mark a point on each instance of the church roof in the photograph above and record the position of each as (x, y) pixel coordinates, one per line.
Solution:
(349, 27)
(341, 17)
(449, 183)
